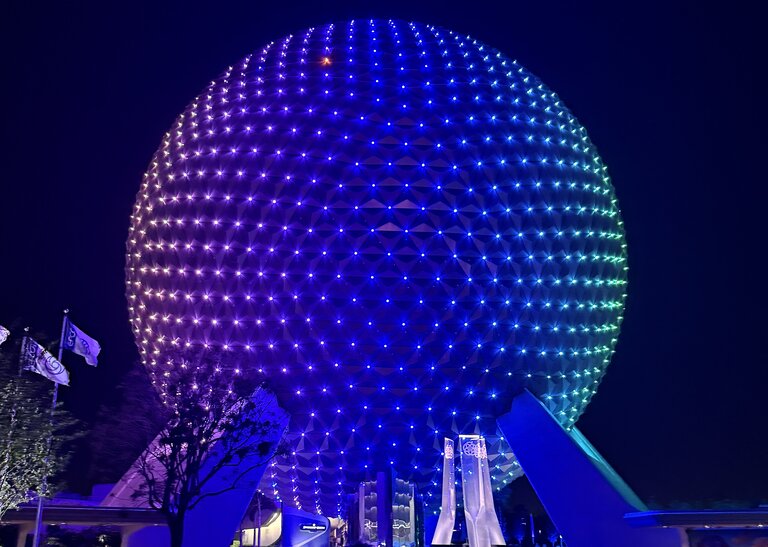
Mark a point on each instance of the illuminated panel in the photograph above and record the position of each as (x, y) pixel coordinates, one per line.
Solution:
(398, 228)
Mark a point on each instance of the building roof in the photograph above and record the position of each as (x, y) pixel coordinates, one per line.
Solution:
(85, 515)
(746, 518)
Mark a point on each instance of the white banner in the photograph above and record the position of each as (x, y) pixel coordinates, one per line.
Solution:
(34, 357)
(78, 342)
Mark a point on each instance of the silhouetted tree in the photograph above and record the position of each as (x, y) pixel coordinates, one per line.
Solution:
(33, 447)
(208, 404)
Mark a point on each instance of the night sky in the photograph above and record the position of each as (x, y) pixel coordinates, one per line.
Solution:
(666, 90)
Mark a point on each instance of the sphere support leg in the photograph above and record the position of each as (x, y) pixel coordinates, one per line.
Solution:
(585, 498)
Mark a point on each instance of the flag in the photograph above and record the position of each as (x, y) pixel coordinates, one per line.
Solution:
(78, 342)
(34, 357)
(4, 334)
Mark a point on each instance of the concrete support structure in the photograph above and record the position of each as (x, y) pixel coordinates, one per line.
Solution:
(384, 508)
(584, 496)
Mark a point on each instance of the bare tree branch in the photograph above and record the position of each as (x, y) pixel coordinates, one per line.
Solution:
(208, 407)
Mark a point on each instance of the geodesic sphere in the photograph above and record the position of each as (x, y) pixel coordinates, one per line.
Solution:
(399, 228)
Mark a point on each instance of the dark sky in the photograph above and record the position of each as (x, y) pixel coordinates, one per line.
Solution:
(667, 91)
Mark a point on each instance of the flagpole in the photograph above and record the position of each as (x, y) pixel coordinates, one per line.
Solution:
(39, 517)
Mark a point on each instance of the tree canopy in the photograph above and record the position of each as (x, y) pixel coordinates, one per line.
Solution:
(33, 445)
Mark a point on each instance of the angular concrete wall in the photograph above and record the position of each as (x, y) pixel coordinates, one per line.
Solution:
(583, 495)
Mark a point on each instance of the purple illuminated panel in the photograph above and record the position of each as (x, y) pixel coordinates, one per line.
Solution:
(399, 228)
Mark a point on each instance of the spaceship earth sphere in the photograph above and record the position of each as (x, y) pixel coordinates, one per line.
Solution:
(399, 228)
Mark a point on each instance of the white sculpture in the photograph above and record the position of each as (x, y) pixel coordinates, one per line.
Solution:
(483, 529)
(447, 519)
